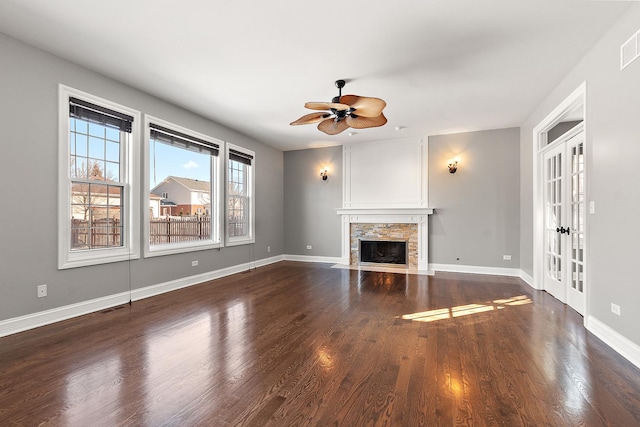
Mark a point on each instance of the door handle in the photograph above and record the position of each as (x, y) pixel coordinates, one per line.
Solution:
(563, 230)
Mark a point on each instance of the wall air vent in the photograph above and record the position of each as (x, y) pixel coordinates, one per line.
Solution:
(630, 50)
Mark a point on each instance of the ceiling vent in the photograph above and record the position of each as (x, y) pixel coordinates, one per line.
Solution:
(630, 50)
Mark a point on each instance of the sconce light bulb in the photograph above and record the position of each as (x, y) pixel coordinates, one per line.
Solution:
(453, 165)
(324, 174)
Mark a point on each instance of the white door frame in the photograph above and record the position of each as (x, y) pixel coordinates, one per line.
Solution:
(576, 98)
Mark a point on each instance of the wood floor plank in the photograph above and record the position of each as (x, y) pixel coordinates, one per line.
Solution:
(298, 344)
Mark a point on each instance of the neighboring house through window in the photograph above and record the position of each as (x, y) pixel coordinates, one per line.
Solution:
(183, 169)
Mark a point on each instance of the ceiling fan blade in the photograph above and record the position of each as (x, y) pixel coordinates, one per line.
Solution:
(308, 119)
(325, 106)
(365, 106)
(331, 127)
(366, 122)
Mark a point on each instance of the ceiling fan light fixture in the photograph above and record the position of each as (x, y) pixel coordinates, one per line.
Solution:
(358, 112)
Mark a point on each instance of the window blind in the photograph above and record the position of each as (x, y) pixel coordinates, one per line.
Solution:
(84, 110)
(182, 140)
(241, 157)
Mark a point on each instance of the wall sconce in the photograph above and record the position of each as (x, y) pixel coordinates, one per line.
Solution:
(453, 165)
(324, 174)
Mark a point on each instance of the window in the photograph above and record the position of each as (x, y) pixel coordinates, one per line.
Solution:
(240, 206)
(96, 206)
(183, 188)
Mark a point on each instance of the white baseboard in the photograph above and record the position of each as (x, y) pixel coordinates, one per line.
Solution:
(528, 279)
(30, 321)
(161, 288)
(473, 269)
(626, 348)
(306, 258)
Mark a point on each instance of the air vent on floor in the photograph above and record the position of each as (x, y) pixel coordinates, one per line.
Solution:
(109, 310)
(630, 50)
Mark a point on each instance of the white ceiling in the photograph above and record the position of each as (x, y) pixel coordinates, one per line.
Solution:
(442, 66)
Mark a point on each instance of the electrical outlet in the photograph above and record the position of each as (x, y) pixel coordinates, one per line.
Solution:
(592, 207)
(309, 247)
(268, 248)
(194, 263)
(42, 291)
(506, 257)
(615, 309)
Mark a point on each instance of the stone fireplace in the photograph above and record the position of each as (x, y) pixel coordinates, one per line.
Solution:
(386, 225)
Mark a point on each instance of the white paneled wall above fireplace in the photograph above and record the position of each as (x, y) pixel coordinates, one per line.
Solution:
(385, 174)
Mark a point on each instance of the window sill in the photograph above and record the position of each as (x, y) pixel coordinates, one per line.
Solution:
(179, 248)
(86, 259)
(239, 242)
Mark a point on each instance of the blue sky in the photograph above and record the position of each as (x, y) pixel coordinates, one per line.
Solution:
(176, 161)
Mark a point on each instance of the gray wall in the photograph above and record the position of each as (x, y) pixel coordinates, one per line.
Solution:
(613, 141)
(477, 212)
(28, 171)
(310, 203)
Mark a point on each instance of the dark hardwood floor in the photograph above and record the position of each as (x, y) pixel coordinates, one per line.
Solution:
(304, 344)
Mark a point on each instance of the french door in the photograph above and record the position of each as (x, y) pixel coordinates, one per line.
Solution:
(564, 231)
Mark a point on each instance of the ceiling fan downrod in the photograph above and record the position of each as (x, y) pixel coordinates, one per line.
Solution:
(339, 84)
(341, 114)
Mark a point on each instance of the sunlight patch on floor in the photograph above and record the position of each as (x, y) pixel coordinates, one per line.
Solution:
(466, 310)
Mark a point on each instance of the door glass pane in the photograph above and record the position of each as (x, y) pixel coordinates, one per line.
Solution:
(559, 191)
(559, 162)
(580, 287)
(581, 247)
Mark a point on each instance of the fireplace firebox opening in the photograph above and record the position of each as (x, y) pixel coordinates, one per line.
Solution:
(390, 252)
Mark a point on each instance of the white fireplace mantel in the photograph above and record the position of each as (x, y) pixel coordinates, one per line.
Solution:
(417, 216)
(385, 211)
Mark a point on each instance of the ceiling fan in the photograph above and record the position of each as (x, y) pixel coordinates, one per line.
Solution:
(343, 112)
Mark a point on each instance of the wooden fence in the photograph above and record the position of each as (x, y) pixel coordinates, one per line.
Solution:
(99, 233)
(105, 233)
(175, 229)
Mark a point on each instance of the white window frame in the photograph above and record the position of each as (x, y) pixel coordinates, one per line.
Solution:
(216, 174)
(130, 236)
(250, 238)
